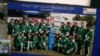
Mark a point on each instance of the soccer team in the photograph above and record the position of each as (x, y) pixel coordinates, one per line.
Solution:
(31, 34)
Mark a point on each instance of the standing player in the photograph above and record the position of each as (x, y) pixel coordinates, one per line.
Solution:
(16, 28)
(81, 36)
(42, 28)
(74, 31)
(68, 29)
(87, 40)
(34, 27)
(25, 27)
(10, 27)
(62, 28)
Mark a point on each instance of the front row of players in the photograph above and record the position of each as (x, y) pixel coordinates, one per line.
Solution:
(38, 41)
(70, 40)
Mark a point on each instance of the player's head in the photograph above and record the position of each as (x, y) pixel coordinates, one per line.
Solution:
(82, 24)
(22, 34)
(87, 26)
(16, 21)
(57, 35)
(62, 23)
(12, 21)
(20, 21)
(75, 24)
(44, 35)
(63, 36)
(68, 23)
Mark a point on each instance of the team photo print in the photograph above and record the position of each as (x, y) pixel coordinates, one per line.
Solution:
(51, 33)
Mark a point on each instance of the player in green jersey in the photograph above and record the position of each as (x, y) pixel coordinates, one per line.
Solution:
(87, 40)
(81, 36)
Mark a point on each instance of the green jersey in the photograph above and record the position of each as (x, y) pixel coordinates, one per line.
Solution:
(34, 28)
(60, 42)
(42, 29)
(62, 30)
(16, 29)
(81, 34)
(21, 39)
(65, 42)
(35, 39)
(70, 47)
(25, 28)
(88, 36)
(29, 38)
(67, 29)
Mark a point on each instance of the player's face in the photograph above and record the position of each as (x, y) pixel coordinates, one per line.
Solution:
(68, 24)
(12, 21)
(44, 35)
(62, 24)
(75, 23)
(82, 24)
(33, 34)
(16, 21)
(56, 36)
(20, 21)
(22, 34)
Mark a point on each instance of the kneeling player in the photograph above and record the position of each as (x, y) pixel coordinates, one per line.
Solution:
(29, 41)
(34, 41)
(45, 42)
(71, 46)
(59, 44)
(21, 39)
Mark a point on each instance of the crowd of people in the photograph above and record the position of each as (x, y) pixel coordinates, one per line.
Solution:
(29, 35)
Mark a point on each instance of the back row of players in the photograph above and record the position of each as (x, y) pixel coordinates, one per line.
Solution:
(30, 35)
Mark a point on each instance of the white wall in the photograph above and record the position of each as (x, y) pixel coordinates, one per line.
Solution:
(9, 18)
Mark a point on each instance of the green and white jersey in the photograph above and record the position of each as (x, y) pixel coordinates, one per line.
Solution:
(81, 34)
(45, 41)
(62, 30)
(65, 42)
(60, 42)
(67, 29)
(16, 29)
(29, 38)
(88, 36)
(34, 28)
(21, 39)
(42, 29)
(25, 28)
(71, 46)
(35, 40)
